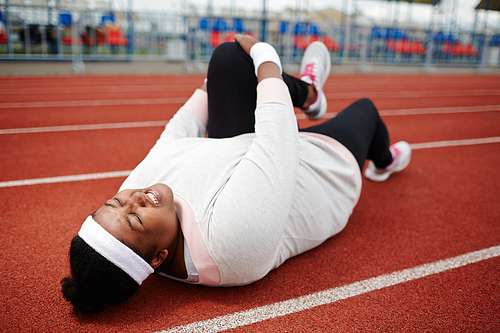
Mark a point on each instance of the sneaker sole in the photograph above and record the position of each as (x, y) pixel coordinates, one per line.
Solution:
(376, 177)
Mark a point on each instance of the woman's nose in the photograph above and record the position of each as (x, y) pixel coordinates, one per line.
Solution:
(138, 199)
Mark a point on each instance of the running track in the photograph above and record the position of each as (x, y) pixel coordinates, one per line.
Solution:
(420, 253)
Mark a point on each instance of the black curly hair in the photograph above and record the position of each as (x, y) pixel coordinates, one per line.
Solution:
(96, 281)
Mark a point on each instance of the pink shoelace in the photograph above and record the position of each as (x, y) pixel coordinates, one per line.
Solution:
(309, 72)
(395, 153)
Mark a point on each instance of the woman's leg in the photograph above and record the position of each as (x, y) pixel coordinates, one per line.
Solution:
(232, 92)
(232, 99)
(361, 130)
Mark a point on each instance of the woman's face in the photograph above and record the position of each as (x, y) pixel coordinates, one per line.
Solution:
(142, 218)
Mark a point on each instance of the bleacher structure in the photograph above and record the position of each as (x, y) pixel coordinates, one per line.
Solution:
(69, 30)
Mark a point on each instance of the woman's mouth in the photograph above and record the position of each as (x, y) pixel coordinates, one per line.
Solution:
(153, 196)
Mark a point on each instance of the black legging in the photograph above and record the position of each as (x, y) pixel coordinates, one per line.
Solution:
(232, 97)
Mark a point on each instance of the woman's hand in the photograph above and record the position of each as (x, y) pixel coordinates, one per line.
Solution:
(266, 69)
(204, 86)
(246, 41)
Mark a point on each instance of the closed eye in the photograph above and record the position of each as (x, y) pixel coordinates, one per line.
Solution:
(126, 218)
(138, 218)
(115, 199)
(120, 203)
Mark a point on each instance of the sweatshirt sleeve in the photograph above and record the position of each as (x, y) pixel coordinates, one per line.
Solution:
(257, 198)
(190, 120)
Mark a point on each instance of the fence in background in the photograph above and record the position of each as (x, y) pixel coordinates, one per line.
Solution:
(56, 32)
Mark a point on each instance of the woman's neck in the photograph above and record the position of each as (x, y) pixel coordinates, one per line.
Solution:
(175, 265)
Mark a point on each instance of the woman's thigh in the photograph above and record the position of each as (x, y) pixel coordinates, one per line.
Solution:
(355, 127)
(232, 92)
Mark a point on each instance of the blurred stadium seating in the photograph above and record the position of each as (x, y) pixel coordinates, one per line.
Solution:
(44, 30)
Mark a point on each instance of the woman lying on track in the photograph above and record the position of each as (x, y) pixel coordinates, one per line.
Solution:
(227, 209)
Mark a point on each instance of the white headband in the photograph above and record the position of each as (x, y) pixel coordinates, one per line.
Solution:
(115, 251)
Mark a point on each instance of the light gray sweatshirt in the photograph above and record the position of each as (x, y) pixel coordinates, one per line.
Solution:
(248, 203)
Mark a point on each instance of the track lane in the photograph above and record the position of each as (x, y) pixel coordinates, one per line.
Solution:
(396, 92)
(21, 118)
(466, 303)
(37, 155)
(122, 94)
(339, 81)
(59, 154)
(374, 242)
(155, 91)
(87, 112)
(448, 196)
(95, 80)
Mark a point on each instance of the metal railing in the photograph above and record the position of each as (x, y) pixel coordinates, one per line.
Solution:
(56, 32)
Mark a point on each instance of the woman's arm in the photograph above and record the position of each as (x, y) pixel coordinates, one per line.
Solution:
(266, 69)
(252, 209)
(191, 119)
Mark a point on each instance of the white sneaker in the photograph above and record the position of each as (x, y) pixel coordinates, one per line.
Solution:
(401, 156)
(314, 70)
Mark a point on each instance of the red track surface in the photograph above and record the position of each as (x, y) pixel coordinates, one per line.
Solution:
(445, 204)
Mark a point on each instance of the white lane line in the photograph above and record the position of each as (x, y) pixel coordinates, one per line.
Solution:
(419, 111)
(397, 112)
(333, 295)
(415, 94)
(84, 127)
(190, 87)
(114, 174)
(352, 95)
(443, 110)
(63, 179)
(105, 102)
(452, 143)
(97, 89)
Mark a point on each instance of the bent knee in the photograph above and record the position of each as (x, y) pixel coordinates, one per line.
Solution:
(366, 103)
(367, 107)
(227, 53)
(229, 61)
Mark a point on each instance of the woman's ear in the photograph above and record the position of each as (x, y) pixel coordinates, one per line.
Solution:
(158, 258)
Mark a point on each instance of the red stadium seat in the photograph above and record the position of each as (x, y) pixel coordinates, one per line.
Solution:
(101, 38)
(458, 49)
(402, 46)
(329, 43)
(469, 50)
(300, 42)
(313, 38)
(447, 47)
(391, 45)
(215, 38)
(406, 46)
(115, 37)
(415, 47)
(230, 36)
(67, 40)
